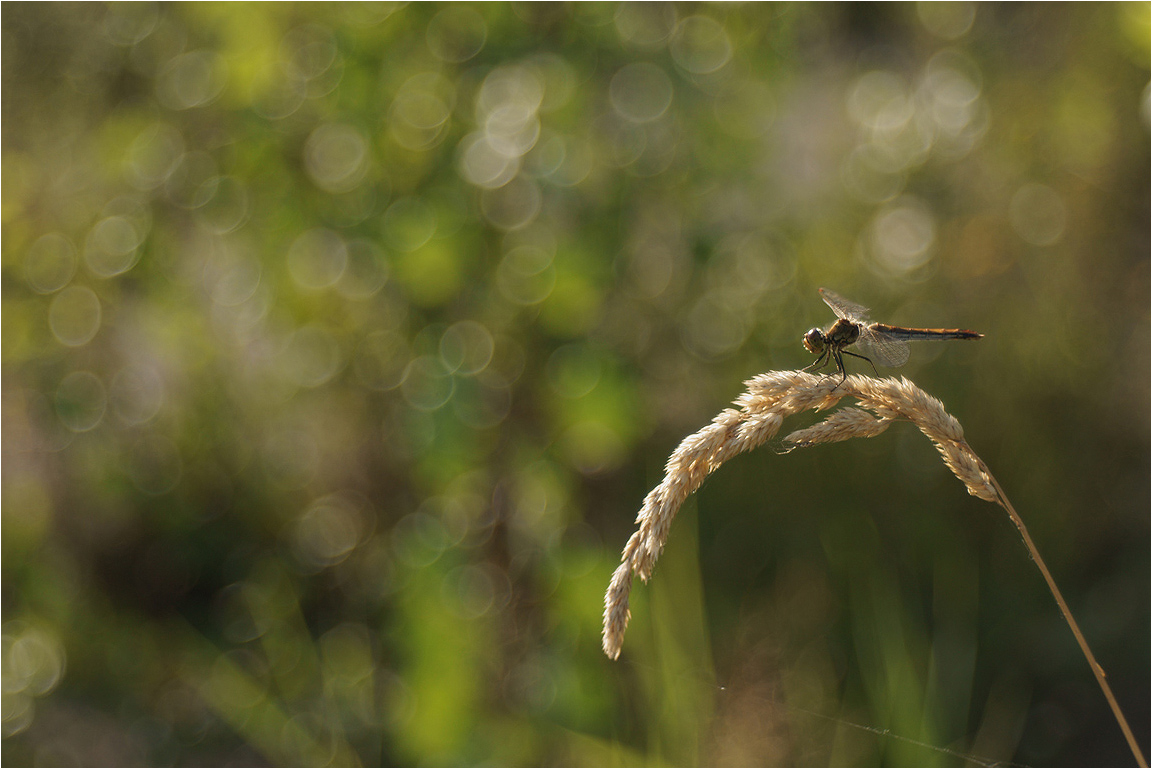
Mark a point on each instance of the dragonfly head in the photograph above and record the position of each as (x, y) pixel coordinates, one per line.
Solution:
(814, 341)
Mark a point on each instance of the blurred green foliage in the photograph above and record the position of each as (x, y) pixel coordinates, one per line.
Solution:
(341, 343)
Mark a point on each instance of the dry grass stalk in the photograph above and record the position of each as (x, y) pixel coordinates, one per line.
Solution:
(771, 398)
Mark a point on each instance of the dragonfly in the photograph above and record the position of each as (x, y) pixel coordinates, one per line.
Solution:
(887, 344)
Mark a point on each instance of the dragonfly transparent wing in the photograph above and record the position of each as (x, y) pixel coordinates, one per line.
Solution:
(882, 348)
(843, 308)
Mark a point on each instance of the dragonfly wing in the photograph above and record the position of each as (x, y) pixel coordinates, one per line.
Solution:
(882, 348)
(842, 307)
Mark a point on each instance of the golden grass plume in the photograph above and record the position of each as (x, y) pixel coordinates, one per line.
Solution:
(772, 397)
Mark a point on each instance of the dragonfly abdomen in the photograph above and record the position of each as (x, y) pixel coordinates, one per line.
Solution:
(914, 334)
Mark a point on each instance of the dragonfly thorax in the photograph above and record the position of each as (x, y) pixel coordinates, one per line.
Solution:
(843, 333)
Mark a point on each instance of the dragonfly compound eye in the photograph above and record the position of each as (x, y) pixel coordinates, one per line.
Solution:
(814, 341)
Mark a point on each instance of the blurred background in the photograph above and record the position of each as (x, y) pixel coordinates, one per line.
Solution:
(341, 344)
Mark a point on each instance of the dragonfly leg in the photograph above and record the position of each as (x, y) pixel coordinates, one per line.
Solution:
(840, 366)
(820, 362)
(870, 363)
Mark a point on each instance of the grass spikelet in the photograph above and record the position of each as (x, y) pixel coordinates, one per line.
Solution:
(844, 424)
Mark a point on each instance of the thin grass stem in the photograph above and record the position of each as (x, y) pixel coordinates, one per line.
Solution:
(1097, 670)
